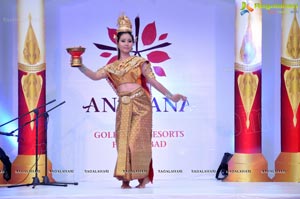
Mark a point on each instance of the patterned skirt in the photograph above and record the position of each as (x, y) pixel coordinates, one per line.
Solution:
(134, 136)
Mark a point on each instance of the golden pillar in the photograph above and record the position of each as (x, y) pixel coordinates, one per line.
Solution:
(247, 163)
(31, 91)
(287, 164)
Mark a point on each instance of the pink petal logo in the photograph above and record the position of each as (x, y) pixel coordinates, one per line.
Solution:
(148, 37)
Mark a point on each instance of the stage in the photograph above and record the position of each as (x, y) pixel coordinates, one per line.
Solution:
(236, 71)
(208, 189)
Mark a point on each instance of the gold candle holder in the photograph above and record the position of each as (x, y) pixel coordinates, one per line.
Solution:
(76, 52)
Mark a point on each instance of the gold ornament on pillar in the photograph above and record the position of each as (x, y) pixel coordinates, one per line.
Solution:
(31, 49)
(32, 86)
(248, 82)
(292, 76)
(293, 46)
(31, 82)
(292, 83)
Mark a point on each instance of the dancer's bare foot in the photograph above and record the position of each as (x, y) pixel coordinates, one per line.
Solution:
(143, 182)
(125, 185)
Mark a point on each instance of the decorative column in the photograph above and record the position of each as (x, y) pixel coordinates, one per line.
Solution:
(287, 164)
(31, 91)
(248, 164)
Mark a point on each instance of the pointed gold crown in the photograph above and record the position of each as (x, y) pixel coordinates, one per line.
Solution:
(124, 24)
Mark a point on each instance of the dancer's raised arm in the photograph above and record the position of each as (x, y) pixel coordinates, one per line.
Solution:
(98, 75)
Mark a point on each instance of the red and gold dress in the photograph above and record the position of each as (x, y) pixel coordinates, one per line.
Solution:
(133, 118)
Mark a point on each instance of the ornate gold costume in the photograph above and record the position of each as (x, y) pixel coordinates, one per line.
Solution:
(133, 119)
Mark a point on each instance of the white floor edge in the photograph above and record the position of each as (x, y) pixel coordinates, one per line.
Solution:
(206, 189)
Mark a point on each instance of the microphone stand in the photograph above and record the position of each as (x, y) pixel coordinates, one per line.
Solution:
(7, 134)
(25, 124)
(36, 180)
(46, 180)
(27, 113)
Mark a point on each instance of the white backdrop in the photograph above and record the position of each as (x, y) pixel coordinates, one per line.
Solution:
(201, 65)
(186, 72)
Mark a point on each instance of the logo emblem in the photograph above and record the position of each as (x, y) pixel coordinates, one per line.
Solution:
(247, 7)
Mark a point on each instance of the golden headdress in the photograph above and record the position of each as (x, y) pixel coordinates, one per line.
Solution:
(124, 24)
